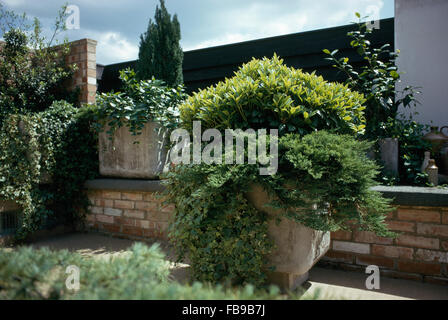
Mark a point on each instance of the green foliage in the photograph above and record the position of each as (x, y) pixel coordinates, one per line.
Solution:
(142, 274)
(329, 178)
(376, 80)
(56, 143)
(160, 53)
(224, 237)
(412, 149)
(268, 94)
(32, 72)
(323, 182)
(138, 103)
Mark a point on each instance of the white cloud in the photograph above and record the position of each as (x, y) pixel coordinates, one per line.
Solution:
(112, 47)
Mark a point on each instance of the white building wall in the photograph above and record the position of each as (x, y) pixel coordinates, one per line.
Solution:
(421, 34)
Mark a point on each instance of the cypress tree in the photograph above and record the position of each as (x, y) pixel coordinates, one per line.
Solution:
(160, 53)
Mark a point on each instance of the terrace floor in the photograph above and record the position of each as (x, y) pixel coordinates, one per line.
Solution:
(332, 284)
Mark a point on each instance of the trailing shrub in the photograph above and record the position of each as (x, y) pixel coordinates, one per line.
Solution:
(56, 143)
(268, 94)
(142, 274)
(323, 183)
(138, 103)
(323, 178)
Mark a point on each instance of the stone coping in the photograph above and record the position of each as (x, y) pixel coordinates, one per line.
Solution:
(402, 195)
(125, 184)
(415, 196)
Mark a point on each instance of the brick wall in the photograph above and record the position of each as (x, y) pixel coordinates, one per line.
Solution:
(83, 54)
(129, 214)
(419, 253)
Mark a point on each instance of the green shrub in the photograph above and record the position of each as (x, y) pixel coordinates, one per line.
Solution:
(225, 237)
(58, 143)
(330, 173)
(33, 74)
(376, 79)
(141, 274)
(138, 103)
(268, 94)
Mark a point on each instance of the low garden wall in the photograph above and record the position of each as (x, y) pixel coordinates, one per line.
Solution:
(419, 253)
(132, 209)
(128, 208)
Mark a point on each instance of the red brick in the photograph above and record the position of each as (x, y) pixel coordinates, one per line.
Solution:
(123, 204)
(401, 226)
(158, 216)
(377, 261)
(144, 205)
(111, 228)
(445, 218)
(133, 231)
(131, 196)
(432, 229)
(341, 235)
(370, 237)
(104, 219)
(106, 203)
(125, 221)
(392, 251)
(338, 257)
(136, 214)
(431, 256)
(418, 242)
(419, 267)
(111, 195)
(418, 215)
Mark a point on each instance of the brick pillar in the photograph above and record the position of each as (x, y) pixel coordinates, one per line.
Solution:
(83, 54)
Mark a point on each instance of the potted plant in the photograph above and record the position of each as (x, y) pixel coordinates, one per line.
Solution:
(134, 125)
(237, 225)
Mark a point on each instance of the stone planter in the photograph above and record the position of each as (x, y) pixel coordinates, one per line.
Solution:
(122, 158)
(387, 155)
(298, 248)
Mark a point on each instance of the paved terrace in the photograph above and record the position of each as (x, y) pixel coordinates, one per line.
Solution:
(333, 284)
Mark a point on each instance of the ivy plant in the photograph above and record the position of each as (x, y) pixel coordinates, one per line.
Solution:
(138, 103)
(45, 159)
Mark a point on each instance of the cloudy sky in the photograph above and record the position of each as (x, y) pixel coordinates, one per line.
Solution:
(117, 24)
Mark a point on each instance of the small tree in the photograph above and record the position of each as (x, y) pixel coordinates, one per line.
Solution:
(33, 72)
(160, 53)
